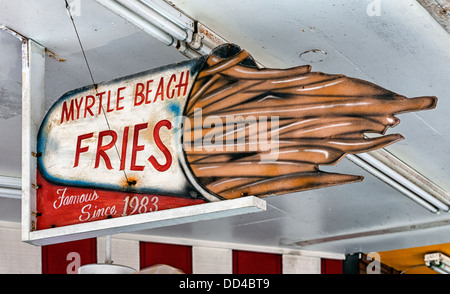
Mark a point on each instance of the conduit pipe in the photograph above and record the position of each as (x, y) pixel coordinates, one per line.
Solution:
(138, 21)
(10, 193)
(403, 181)
(170, 12)
(393, 179)
(155, 19)
(166, 23)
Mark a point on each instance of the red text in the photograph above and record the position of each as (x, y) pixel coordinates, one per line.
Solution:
(107, 139)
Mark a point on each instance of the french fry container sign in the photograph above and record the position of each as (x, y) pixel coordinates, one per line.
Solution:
(213, 128)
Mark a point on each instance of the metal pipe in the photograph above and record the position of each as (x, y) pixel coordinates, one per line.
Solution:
(186, 51)
(391, 182)
(10, 193)
(138, 21)
(155, 18)
(402, 181)
(170, 12)
(412, 175)
(10, 187)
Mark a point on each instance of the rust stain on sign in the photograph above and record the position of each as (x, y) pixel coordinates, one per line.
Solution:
(54, 56)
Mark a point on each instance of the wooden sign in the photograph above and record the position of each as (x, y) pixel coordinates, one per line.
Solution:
(213, 128)
(121, 135)
(112, 150)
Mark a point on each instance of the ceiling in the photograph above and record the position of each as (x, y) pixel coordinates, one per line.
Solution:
(400, 46)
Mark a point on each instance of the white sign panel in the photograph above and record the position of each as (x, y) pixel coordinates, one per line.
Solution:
(123, 135)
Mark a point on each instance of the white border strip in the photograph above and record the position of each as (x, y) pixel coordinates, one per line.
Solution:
(33, 109)
(146, 221)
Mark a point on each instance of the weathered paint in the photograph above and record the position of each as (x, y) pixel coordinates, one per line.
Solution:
(65, 205)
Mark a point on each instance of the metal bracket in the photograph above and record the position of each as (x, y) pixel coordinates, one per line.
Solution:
(33, 110)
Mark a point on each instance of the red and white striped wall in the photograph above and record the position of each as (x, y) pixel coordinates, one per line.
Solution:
(139, 252)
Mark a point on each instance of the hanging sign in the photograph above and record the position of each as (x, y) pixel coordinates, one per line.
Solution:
(113, 150)
(213, 128)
